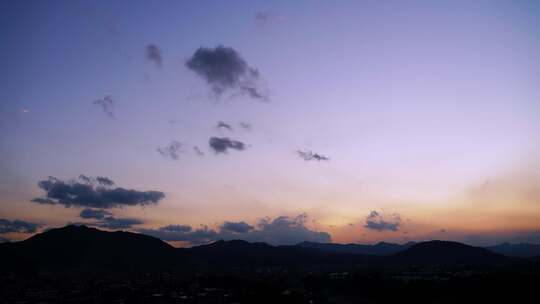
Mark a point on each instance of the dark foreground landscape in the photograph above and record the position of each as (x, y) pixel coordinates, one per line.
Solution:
(77, 264)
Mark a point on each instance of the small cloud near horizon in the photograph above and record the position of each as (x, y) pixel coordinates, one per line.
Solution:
(379, 222)
(282, 230)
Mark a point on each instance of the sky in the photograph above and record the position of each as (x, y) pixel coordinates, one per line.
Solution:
(275, 121)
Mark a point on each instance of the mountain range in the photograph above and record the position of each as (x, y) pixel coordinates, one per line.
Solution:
(83, 248)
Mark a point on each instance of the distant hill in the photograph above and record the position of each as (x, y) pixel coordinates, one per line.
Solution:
(446, 253)
(83, 248)
(242, 253)
(522, 250)
(381, 248)
(89, 249)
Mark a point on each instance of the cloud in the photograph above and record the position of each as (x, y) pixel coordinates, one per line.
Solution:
(82, 193)
(99, 180)
(263, 17)
(308, 155)
(198, 151)
(283, 230)
(104, 181)
(4, 240)
(17, 226)
(94, 214)
(224, 69)
(172, 150)
(224, 125)
(153, 54)
(194, 236)
(119, 223)
(376, 221)
(245, 125)
(106, 103)
(236, 227)
(176, 228)
(105, 219)
(221, 145)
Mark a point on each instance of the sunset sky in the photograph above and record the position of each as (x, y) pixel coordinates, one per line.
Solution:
(275, 121)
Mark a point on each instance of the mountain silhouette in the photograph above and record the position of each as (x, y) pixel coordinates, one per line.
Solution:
(88, 249)
(446, 253)
(83, 248)
(381, 248)
(522, 250)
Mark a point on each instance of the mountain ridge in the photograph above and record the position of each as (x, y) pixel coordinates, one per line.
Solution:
(83, 248)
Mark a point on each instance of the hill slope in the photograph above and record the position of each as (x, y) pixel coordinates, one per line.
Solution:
(446, 253)
(83, 248)
(522, 250)
(381, 248)
(89, 249)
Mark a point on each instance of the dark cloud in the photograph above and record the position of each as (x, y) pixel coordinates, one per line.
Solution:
(98, 180)
(222, 144)
(308, 155)
(4, 240)
(105, 219)
(193, 236)
(153, 54)
(224, 125)
(7, 226)
(376, 221)
(172, 150)
(106, 103)
(94, 214)
(119, 223)
(283, 230)
(82, 193)
(43, 201)
(236, 227)
(198, 151)
(104, 181)
(224, 69)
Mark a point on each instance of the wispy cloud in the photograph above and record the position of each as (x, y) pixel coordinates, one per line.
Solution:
(308, 155)
(106, 104)
(245, 125)
(198, 151)
(172, 150)
(153, 54)
(224, 125)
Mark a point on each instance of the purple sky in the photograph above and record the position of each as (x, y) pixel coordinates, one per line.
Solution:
(425, 112)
